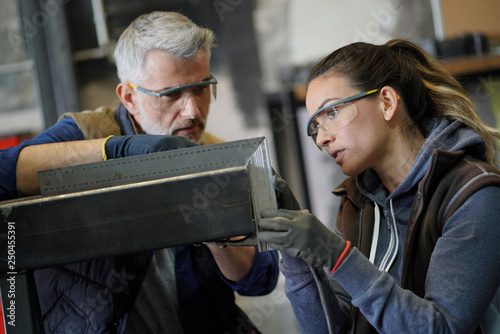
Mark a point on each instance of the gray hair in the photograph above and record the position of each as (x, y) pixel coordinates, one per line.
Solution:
(168, 31)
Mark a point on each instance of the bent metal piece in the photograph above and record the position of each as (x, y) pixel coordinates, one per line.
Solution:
(134, 204)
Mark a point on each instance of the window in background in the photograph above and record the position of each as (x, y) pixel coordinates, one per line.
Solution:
(19, 111)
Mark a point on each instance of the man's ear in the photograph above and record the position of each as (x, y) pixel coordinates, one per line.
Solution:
(390, 101)
(128, 97)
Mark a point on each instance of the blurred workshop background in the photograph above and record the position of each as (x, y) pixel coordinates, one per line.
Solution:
(56, 56)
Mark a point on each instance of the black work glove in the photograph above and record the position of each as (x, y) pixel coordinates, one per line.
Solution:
(301, 234)
(126, 146)
(285, 197)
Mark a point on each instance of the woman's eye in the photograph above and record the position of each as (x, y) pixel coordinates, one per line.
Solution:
(331, 112)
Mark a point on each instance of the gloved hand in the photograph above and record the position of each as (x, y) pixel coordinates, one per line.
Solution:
(125, 146)
(285, 197)
(301, 234)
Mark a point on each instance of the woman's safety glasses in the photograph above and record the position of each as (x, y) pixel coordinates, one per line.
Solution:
(177, 97)
(333, 117)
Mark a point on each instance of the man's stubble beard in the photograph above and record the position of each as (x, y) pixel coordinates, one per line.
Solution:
(153, 127)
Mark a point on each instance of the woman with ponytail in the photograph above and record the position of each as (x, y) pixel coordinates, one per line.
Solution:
(416, 245)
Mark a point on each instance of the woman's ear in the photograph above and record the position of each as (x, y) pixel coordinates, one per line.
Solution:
(128, 97)
(390, 101)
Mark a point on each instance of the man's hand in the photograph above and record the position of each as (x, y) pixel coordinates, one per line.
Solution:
(301, 234)
(125, 146)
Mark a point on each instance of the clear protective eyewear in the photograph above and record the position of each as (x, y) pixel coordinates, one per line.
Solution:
(202, 92)
(330, 116)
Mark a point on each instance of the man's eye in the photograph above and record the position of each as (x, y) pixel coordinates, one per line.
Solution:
(199, 89)
(173, 95)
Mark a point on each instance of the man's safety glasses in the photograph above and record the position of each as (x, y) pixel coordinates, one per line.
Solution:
(178, 96)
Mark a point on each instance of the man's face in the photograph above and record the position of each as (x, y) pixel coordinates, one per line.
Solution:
(183, 113)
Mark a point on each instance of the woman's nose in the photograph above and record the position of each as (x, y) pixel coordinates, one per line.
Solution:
(324, 138)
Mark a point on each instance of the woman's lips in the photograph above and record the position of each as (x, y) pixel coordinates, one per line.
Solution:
(337, 155)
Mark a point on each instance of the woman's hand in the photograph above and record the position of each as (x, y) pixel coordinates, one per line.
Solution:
(302, 235)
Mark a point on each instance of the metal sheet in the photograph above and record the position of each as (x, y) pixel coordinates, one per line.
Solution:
(130, 218)
(219, 196)
(149, 167)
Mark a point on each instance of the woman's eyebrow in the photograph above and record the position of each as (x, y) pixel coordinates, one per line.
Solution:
(327, 101)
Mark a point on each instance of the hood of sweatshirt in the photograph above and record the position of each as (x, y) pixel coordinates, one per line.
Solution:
(445, 134)
(392, 211)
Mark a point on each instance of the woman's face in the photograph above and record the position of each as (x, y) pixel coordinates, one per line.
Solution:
(354, 133)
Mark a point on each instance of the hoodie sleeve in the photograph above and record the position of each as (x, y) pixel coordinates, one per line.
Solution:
(302, 291)
(463, 276)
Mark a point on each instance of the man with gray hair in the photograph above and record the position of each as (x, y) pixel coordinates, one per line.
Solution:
(165, 91)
